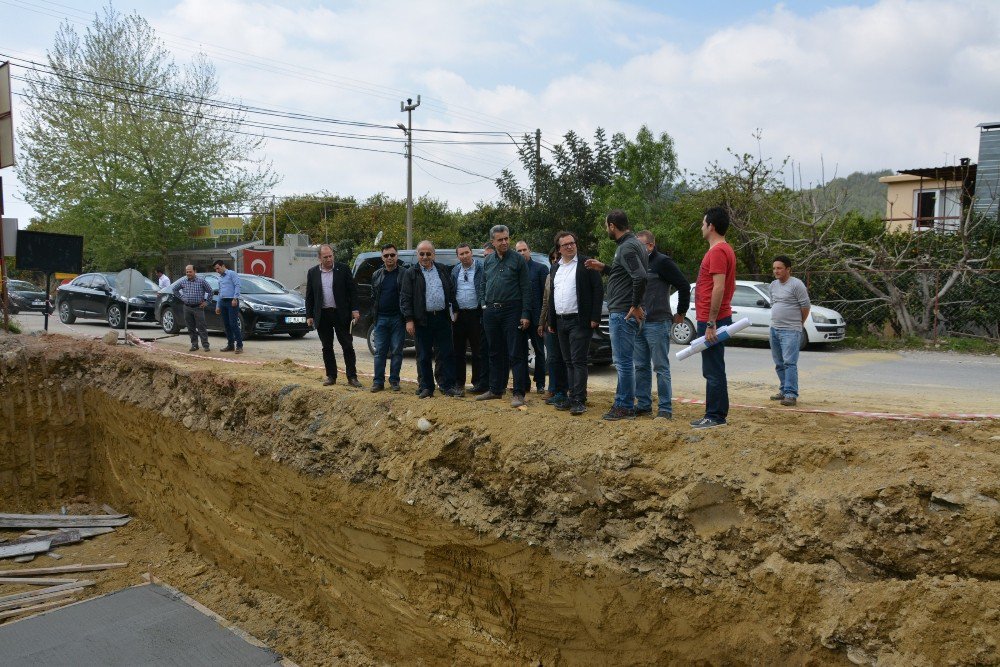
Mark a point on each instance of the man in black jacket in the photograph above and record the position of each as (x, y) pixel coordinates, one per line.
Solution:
(652, 343)
(537, 273)
(387, 319)
(331, 305)
(574, 313)
(427, 299)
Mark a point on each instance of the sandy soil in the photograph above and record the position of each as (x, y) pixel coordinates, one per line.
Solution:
(443, 530)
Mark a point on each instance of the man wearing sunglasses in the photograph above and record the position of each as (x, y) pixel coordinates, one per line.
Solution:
(426, 300)
(390, 330)
(506, 317)
(467, 332)
(331, 306)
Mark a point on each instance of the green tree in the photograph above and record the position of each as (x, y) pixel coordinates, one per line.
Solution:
(125, 147)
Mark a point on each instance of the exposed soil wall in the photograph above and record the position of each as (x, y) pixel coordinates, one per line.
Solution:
(499, 536)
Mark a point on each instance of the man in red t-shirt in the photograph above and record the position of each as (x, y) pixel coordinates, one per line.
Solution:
(713, 294)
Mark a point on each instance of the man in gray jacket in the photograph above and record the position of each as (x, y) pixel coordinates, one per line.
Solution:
(789, 310)
(626, 287)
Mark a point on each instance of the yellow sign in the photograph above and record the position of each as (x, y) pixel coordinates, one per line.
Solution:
(201, 232)
(226, 227)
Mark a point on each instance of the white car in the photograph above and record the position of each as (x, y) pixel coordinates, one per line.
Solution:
(753, 299)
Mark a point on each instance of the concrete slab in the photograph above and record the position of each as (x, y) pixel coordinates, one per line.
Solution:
(144, 625)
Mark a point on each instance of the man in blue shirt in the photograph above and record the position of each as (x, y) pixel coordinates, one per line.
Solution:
(467, 331)
(227, 304)
(426, 299)
(390, 331)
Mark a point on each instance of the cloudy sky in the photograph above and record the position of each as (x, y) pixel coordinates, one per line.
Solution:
(840, 86)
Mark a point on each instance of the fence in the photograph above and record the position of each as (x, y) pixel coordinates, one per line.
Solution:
(971, 307)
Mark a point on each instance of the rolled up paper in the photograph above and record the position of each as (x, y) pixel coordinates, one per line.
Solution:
(724, 333)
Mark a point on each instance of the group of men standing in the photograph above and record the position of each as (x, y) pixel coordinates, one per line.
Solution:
(498, 305)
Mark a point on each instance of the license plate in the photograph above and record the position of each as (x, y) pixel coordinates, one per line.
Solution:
(295, 320)
(37, 303)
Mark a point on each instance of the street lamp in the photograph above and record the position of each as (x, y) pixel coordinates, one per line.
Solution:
(408, 107)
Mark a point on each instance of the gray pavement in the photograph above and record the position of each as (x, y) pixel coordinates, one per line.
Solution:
(830, 377)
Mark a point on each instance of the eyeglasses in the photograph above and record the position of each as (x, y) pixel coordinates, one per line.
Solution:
(426, 254)
(388, 255)
(568, 244)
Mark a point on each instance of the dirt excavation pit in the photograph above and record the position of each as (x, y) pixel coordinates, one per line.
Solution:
(329, 524)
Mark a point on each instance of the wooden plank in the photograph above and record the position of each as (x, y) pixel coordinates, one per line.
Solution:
(34, 599)
(52, 604)
(108, 509)
(36, 581)
(38, 546)
(16, 599)
(25, 559)
(60, 569)
(61, 521)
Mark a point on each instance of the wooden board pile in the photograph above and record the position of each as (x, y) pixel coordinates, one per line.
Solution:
(44, 533)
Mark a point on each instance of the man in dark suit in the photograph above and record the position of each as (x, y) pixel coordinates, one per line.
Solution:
(574, 313)
(427, 299)
(331, 305)
(537, 274)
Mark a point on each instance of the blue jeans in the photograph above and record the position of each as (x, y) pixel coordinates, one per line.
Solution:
(230, 315)
(623, 334)
(785, 352)
(713, 369)
(652, 349)
(556, 366)
(390, 332)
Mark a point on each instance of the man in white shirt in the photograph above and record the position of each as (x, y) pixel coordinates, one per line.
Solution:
(161, 278)
(574, 313)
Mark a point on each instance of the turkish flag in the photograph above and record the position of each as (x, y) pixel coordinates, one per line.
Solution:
(259, 262)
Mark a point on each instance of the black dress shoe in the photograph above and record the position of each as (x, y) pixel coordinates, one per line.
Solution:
(329, 380)
(394, 386)
(354, 382)
(228, 348)
(425, 393)
(376, 388)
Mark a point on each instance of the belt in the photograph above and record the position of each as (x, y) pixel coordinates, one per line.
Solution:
(435, 312)
(501, 304)
(568, 316)
(192, 305)
(469, 310)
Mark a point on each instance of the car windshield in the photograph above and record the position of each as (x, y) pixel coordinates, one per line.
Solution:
(23, 286)
(250, 285)
(149, 285)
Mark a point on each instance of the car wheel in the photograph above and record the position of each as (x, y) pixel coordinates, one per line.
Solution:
(531, 357)
(683, 332)
(370, 339)
(298, 334)
(12, 309)
(116, 317)
(168, 320)
(66, 315)
(804, 340)
(245, 325)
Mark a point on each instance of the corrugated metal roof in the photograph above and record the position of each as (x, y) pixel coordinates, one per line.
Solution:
(989, 126)
(952, 172)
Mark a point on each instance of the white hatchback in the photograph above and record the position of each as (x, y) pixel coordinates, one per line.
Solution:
(753, 299)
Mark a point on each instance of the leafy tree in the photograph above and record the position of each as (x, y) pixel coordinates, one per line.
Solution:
(125, 147)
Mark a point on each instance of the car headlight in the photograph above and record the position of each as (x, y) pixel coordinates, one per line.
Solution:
(820, 319)
(262, 307)
(136, 301)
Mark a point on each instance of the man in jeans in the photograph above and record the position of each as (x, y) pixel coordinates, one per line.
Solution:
(194, 293)
(652, 344)
(228, 306)
(506, 317)
(390, 332)
(626, 287)
(789, 310)
(713, 294)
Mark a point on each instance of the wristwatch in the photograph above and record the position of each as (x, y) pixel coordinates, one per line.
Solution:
(711, 325)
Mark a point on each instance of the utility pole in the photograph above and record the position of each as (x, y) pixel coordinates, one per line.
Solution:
(538, 160)
(408, 107)
(274, 222)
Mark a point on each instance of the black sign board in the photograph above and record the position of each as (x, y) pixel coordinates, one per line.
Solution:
(49, 253)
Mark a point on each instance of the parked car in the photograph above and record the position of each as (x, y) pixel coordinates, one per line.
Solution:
(366, 263)
(265, 308)
(753, 299)
(94, 296)
(22, 295)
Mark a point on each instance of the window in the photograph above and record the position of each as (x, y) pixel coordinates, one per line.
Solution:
(746, 297)
(367, 268)
(938, 209)
(926, 209)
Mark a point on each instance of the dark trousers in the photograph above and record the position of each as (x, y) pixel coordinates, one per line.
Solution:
(507, 353)
(484, 363)
(435, 336)
(713, 369)
(194, 320)
(538, 345)
(574, 343)
(230, 322)
(556, 366)
(328, 325)
(467, 332)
